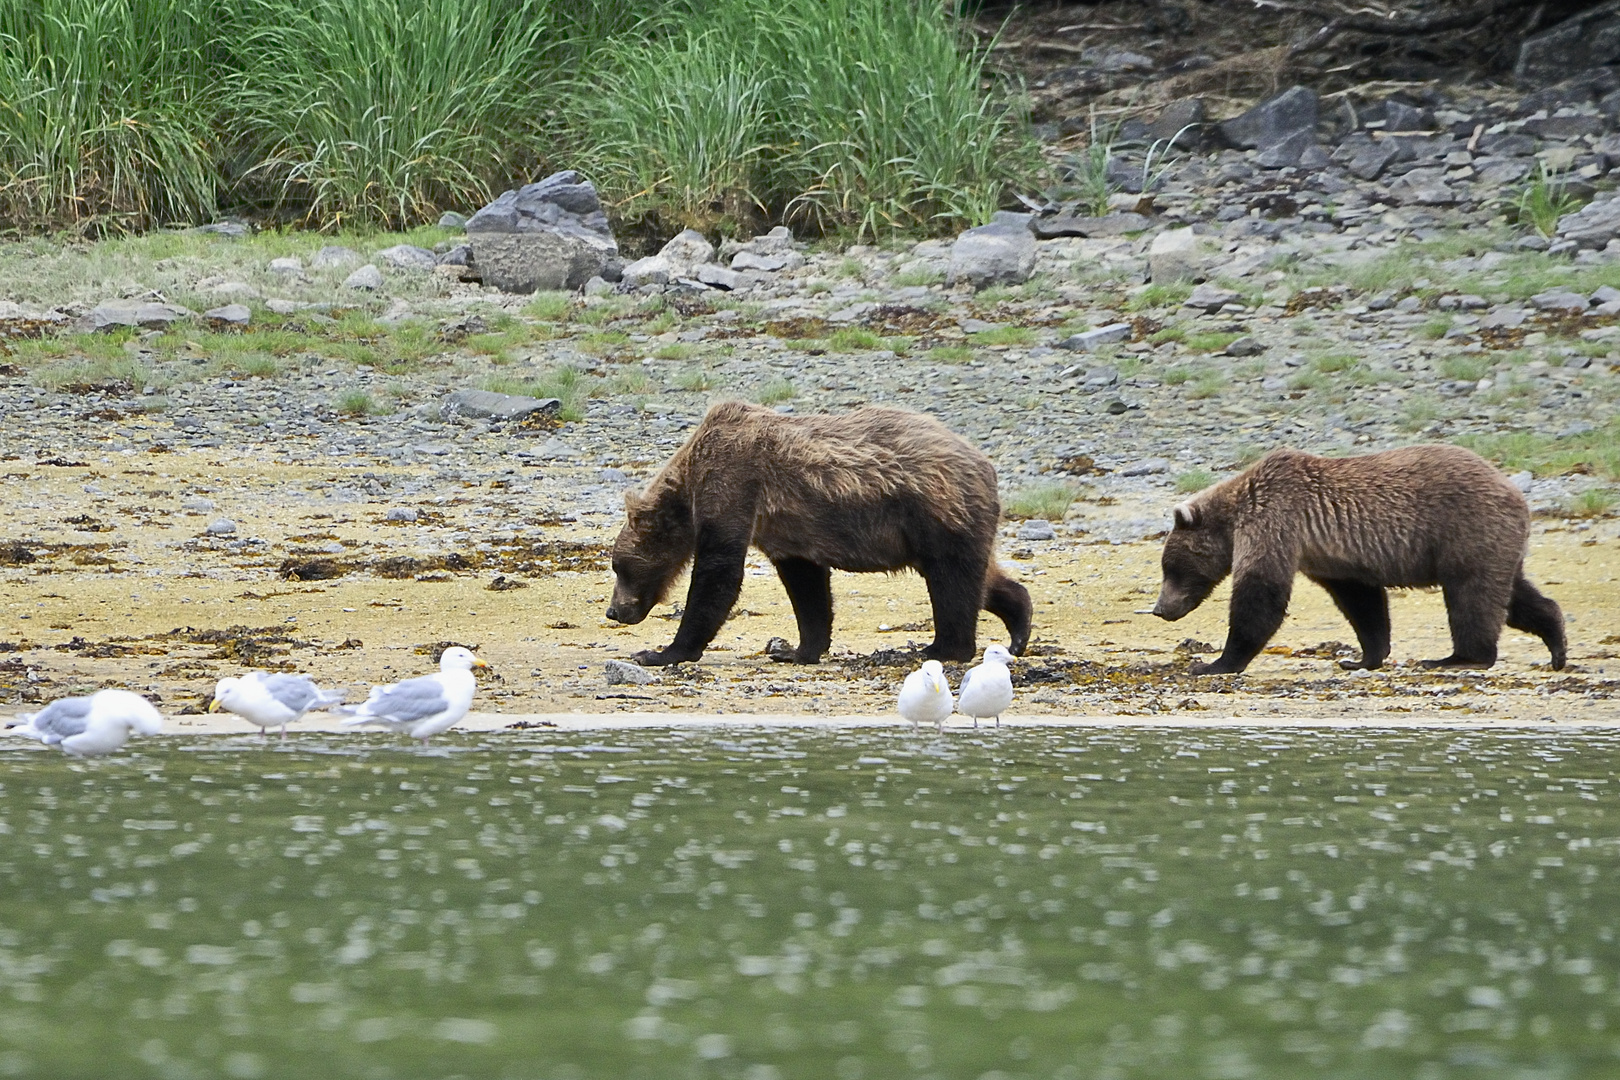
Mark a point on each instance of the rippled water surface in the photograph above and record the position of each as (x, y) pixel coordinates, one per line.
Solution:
(818, 904)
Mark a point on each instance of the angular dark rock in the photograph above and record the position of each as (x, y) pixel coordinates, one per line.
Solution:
(548, 235)
(1116, 224)
(1273, 120)
(1585, 40)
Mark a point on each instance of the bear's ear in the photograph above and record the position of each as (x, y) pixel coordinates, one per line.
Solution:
(1187, 515)
(633, 501)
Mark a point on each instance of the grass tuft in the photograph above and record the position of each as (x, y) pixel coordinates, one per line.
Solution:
(1194, 480)
(1050, 500)
(775, 391)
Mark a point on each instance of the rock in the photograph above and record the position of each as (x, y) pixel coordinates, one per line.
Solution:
(770, 263)
(1146, 467)
(597, 287)
(686, 251)
(1504, 318)
(221, 527)
(1288, 151)
(408, 257)
(1499, 171)
(624, 673)
(147, 314)
(548, 235)
(1371, 160)
(452, 220)
(283, 306)
(486, 405)
(1175, 255)
(652, 270)
(717, 276)
(1210, 298)
(197, 505)
(1422, 187)
(332, 257)
(1399, 116)
(1036, 529)
(1000, 253)
(1245, 346)
(367, 277)
(1087, 340)
(1180, 120)
(288, 265)
(401, 513)
(229, 315)
(1593, 225)
(1524, 481)
(1559, 300)
(557, 450)
(232, 288)
(1275, 121)
(1097, 379)
(460, 255)
(230, 230)
(1582, 41)
(1115, 224)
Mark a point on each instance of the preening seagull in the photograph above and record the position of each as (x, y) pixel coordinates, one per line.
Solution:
(271, 700)
(925, 697)
(90, 726)
(987, 690)
(426, 706)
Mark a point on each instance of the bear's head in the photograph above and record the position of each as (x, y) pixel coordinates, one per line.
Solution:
(1197, 557)
(653, 548)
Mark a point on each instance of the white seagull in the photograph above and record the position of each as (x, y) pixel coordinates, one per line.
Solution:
(271, 700)
(426, 706)
(987, 690)
(90, 726)
(925, 697)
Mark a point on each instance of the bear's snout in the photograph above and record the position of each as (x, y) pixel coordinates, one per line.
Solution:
(626, 610)
(1170, 608)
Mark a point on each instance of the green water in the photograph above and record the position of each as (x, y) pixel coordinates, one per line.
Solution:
(1054, 903)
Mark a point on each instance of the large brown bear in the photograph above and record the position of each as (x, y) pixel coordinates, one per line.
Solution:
(1423, 515)
(874, 490)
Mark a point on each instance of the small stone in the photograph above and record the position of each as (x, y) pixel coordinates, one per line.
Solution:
(1146, 467)
(367, 277)
(1559, 300)
(1001, 253)
(197, 505)
(1175, 255)
(770, 263)
(717, 276)
(1524, 481)
(221, 527)
(408, 257)
(401, 513)
(687, 250)
(333, 256)
(624, 673)
(1117, 407)
(452, 220)
(1210, 298)
(230, 230)
(229, 315)
(487, 405)
(146, 314)
(652, 270)
(1245, 346)
(287, 265)
(1371, 160)
(1036, 529)
(1087, 340)
(1115, 224)
(282, 306)
(597, 286)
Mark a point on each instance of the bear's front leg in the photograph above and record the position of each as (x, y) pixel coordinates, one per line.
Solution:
(1259, 605)
(809, 589)
(717, 573)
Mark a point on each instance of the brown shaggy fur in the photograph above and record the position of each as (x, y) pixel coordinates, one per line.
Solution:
(873, 490)
(1419, 516)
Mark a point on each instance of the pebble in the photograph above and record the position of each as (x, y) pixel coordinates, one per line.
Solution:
(221, 527)
(401, 513)
(623, 672)
(367, 277)
(1036, 529)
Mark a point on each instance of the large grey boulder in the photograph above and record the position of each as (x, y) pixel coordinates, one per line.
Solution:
(1593, 225)
(487, 405)
(548, 235)
(1276, 123)
(147, 314)
(1581, 41)
(1000, 253)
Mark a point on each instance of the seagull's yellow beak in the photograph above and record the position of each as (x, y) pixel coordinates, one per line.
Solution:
(480, 663)
(213, 706)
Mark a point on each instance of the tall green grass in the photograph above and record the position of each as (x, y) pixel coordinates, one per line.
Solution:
(105, 118)
(855, 116)
(387, 112)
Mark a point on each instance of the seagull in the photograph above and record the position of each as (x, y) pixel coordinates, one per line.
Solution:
(269, 700)
(925, 697)
(426, 706)
(90, 726)
(987, 689)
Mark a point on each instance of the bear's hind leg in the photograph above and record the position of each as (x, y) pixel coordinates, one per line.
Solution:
(1476, 615)
(1367, 609)
(1536, 613)
(1009, 601)
(809, 589)
(956, 590)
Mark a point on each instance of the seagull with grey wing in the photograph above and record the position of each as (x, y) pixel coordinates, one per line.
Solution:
(987, 690)
(271, 699)
(421, 708)
(90, 726)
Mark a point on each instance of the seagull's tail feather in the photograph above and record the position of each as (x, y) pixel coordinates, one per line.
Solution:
(22, 719)
(325, 699)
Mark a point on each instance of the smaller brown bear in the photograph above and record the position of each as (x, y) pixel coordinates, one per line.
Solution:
(1414, 517)
(870, 491)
